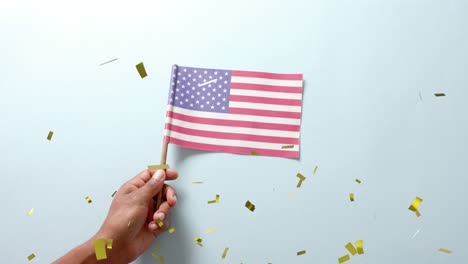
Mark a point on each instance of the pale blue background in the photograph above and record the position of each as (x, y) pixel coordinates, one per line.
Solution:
(365, 63)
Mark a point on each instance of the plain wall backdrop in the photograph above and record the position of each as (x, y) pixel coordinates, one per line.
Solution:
(371, 68)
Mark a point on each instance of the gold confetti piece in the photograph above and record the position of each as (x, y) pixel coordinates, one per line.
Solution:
(89, 200)
(31, 211)
(108, 62)
(417, 213)
(217, 198)
(141, 70)
(358, 181)
(213, 201)
(301, 178)
(439, 94)
(161, 259)
(200, 244)
(31, 256)
(211, 230)
(301, 252)
(415, 204)
(197, 182)
(158, 257)
(445, 250)
(315, 170)
(250, 206)
(49, 137)
(114, 194)
(351, 249)
(171, 230)
(158, 167)
(157, 248)
(360, 250)
(160, 223)
(351, 197)
(154, 255)
(287, 147)
(254, 153)
(199, 240)
(224, 253)
(100, 248)
(109, 243)
(343, 259)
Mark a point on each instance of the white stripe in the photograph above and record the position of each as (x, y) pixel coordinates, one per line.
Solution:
(230, 129)
(226, 116)
(252, 80)
(228, 142)
(273, 107)
(245, 92)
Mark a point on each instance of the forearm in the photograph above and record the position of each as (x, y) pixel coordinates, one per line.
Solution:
(83, 254)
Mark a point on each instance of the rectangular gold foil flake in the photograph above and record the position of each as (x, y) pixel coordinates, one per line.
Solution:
(157, 248)
(31, 211)
(439, 94)
(100, 248)
(445, 250)
(211, 230)
(217, 198)
(141, 70)
(158, 257)
(417, 213)
(49, 137)
(197, 182)
(315, 170)
(301, 252)
(358, 181)
(351, 197)
(415, 204)
(160, 223)
(301, 179)
(254, 153)
(114, 194)
(199, 240)
(200, 244)
(213, 201)
(171, 230)
(224, 253)
(109, 243)
(250, 206)
(30, 257)
(158, 167)
(343, 259)
(89, 200)
(351, 249)
(287, 147)
(360, 250)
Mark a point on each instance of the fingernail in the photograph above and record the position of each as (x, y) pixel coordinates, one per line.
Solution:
(158, 175)
(161, 216)
(153, 226)
(174, 197)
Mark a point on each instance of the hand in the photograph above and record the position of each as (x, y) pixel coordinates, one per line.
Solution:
(131, 221)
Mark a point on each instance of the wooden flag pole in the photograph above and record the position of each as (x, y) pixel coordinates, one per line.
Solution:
(163, 161)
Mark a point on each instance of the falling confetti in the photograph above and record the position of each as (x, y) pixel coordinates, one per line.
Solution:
(445, 250)
(301, 179)
(358, 181)
(108, 62)
(199, 240)
(171, 230)
(141, 70)
(100, 248)
(351, 249)
(30, 211)
(197, 182)
(287, 147)
(415, 234)
(224, 253)
(158, 167)
(301, 252)
(315, 170)
(343, 259)
(157, 248)
(89, 200)
(414, 206)
(439, 94)
(160, 223)
(30, 257)
(351, 197)
(360, 250)
(109, 243)
(250, 206)
(49, 137)
(211, 230)
(114, 194)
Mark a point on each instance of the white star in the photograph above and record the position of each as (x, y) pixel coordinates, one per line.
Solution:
(216, 73)
(182, 94)
(178, 81)
(218, 103)
(207, 102)
(206, 72)
(224, 90)
(183, 86)
(187, 91)
(176, 97)
(212, 98)
(201, 106)
(212, 107)
(209, 77)
(171, 100)
(185, 70)
(175, 67)
(203, 89)
(194, 80)
(226, 73)
(192, 96)
(198, 93)
(183, 78)
(199, 76)
(188, 84)
(186, 100)
(219, 86)
(194, 71)
(203, 97)
(191, 105)
(204, 80)
(193, 88)
(181, 102)
(173, 75)
(209, 94)
(224, 99)
(178, 73)
(172, 91)
(209, 85)
(225, 82)
(197, 102)
(222, 107)
(220, 77)
(214, 89)
(189, 75)
(173, 83)
(219, 94)
(177, 89)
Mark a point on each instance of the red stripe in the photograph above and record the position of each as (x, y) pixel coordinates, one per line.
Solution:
(276, 76)
(238, 150)
(233, 123)
(246, 111)
(265, 100)
(233, 136)
(266, 88)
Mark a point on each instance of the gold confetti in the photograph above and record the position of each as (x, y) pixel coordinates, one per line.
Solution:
(154, 255)
(360, 250)
(89, 200)
(415, 204)
(141, 70)
(301, 252)
(254, 153)
(30, 211)
(158, 257)
(351, 249)
(114, 194)
(287, 147)
(420, 96)
(224, 253)
(343, 259)
(171, 230)
(200, 244)
(197, 182)
(31, 256)
(160, 223)
(217, 198)
(157, 248)
(49, 137)
(100, 248)
(315, 170)
(358, 181)
(199, 240)
(109, 243)
(158, 167)
(108, 62)
(250, 206)
(439, 94)
(301, 179)
(417, 213)
(211, 230)
(213, 201)
(445, 250)
(351, 197)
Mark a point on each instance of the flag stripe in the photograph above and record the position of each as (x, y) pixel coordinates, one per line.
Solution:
(272, 107)
(264, 100)
(233, 123)
(266, 88)
(228, 129)
(246, 92)
(263, 81)
(228, 142)
(231, 149)
(277, 76)
(234, 136)
(255, 112)
(265, 118)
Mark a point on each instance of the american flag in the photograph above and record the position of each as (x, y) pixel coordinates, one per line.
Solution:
(234, 111)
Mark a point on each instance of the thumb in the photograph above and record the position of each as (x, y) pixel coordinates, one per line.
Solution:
(153, 186)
